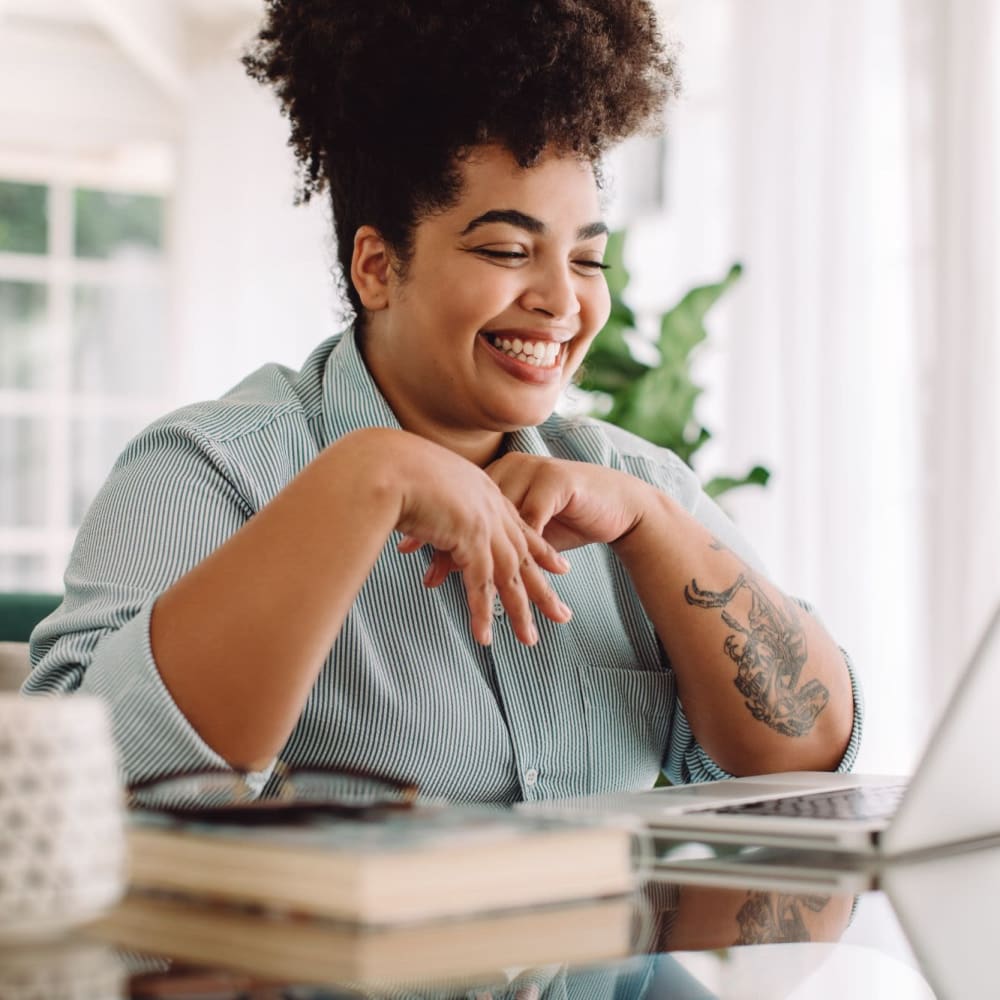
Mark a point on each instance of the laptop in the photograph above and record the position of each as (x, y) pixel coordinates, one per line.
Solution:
(946, 802)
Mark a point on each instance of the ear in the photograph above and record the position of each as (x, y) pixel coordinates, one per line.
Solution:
(371, 266)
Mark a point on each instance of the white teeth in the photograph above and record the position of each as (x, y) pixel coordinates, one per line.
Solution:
(540, 353)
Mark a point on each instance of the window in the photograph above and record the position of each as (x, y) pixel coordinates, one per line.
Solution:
(84, 357)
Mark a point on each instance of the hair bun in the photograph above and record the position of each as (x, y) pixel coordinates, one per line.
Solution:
(384, 95)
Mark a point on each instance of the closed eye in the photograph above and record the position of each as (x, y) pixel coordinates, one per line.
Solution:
(501, 254)
(585, 265)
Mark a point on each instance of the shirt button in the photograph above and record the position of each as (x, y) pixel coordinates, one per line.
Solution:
(498, 611)
(531, 776)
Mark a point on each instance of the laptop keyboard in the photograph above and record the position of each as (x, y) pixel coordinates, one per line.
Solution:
(871, 802)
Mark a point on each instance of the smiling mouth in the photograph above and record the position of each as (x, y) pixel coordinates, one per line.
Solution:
(540, 353)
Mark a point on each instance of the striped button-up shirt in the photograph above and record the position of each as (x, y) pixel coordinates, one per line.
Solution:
(405, 690)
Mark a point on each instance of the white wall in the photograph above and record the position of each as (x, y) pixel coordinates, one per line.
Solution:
(253, 272)
(72, 90)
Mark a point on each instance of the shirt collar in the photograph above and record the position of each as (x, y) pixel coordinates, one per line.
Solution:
(351, 399)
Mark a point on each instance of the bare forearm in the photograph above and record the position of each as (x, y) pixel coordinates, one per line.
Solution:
(240, 639)
(764, 686)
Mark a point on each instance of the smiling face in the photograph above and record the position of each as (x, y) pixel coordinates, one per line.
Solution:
(501, 298)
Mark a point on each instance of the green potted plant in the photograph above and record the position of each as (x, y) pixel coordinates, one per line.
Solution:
(656, 399)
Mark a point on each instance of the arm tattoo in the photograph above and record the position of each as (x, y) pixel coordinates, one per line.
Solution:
(771, 917)
(769, 653)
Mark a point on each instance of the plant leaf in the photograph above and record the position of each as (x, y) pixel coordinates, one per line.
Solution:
(656, 402)
(659, 406)
(683, 327)
(757, 476)
(609, 365)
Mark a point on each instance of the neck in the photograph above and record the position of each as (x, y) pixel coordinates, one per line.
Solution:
(480, 446)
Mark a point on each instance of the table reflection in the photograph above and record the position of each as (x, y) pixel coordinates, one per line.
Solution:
(672, 941)
(618, 946)
(695, 918)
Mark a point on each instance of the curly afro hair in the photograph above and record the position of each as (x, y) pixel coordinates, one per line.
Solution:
(385, 97)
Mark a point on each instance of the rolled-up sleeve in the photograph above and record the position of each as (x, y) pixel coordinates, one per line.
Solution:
(167, 504)
(687, 762)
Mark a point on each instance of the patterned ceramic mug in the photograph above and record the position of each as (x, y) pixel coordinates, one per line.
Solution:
(61, 969)
(62, 835)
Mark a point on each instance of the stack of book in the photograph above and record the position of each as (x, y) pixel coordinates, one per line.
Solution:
(429, 894)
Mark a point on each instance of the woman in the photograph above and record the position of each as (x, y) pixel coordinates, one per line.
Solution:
(399, 559)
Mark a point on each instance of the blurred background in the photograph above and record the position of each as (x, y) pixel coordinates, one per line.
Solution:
(844, 151)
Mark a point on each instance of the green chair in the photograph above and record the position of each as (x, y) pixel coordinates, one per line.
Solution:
(19, 614)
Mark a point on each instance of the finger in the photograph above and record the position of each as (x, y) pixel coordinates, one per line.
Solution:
(475, 563)
(545, 553)
(440, 567)
(512, 481)
(540, 593)
(514, 597)
(535, 490)
(537, 587)
(538, 506)
(498, 469)
(479, 594)
(409, 544)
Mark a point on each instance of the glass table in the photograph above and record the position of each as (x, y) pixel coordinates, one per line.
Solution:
(740, 927)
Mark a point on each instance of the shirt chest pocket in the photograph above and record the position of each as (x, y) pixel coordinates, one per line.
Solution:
(628, 714)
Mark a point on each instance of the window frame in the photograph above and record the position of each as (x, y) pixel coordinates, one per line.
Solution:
(56, 403)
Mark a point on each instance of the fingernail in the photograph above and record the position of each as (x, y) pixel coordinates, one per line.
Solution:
(567, 613)
(532, 635)
(563, 561)
(488, 636)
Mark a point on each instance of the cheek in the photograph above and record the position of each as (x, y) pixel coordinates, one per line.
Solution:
(443, 313)
(596, 305)
(467, 302)
(595, 308)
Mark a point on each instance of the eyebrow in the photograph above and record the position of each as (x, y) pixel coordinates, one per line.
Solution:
(512, 217)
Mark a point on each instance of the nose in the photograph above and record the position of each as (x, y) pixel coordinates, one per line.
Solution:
(552, 292)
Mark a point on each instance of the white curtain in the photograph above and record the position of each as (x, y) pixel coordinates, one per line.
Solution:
(955, 151)
(846, 152)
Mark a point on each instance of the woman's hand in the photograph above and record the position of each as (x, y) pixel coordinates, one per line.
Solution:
(561, 504)
(457, 508)
(571, 503)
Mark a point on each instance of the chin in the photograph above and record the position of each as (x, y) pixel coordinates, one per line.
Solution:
(514, 411)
